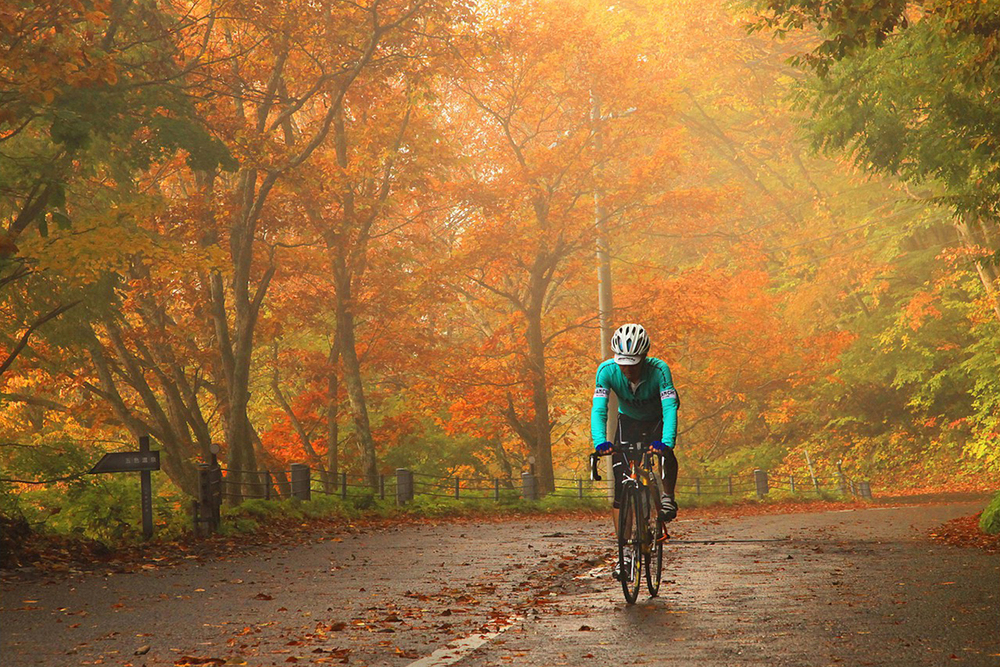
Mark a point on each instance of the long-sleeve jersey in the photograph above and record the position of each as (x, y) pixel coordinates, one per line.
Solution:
(653, 398)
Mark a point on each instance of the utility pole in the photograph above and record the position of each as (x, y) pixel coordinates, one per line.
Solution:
(605, 304)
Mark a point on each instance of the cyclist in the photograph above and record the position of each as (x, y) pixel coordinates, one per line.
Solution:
(647, 412)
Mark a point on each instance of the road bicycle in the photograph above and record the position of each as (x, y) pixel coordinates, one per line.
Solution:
(641, 533)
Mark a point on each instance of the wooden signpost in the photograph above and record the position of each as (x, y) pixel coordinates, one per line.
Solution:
(143, 462)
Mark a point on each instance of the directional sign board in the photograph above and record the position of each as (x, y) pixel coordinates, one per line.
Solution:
(128, 462)
(142, 462)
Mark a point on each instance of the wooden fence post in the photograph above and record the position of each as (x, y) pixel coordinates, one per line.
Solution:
(579, 487)
(496, 489)
(208, 506)
(343, 486)
(404, 486)
(760, 480)
(457, 487)
(730, 485)
(301, 481)
(791, 483)
(529, 487)
(381, 486)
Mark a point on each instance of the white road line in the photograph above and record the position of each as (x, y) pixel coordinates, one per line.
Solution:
(458, 649)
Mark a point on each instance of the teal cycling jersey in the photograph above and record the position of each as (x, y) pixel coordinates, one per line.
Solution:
(654, 398)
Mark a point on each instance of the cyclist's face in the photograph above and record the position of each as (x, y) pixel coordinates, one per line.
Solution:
(634, 372)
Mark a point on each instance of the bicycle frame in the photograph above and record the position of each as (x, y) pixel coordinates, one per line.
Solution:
(641, 472)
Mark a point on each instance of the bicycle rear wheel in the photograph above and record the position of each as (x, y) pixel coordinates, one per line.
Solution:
(630, 527)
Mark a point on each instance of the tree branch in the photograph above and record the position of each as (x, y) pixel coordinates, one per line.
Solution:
(23, 342)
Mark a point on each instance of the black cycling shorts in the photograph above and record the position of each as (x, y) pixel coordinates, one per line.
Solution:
(631, 431)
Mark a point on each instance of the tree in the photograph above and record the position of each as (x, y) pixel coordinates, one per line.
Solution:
(526, 227)
(879, 96)
(78, 83)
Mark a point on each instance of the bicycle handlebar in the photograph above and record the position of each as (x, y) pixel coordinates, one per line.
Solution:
(595, 476)
(615, 449)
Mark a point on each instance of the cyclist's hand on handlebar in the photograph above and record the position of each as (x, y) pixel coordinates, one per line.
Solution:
(603, 448)
(658, 446)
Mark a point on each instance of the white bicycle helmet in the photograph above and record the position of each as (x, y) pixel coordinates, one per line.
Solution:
(630, 344)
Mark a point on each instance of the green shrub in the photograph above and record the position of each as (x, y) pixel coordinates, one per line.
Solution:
(235, 525)
(989, 522)
(264, 509)
(560, 503)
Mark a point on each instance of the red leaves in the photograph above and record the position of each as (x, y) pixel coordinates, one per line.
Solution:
(965, 532)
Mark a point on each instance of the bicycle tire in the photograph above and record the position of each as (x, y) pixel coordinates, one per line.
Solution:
(654, 562)
(630, 529)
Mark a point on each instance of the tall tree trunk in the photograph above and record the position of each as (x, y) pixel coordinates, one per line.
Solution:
(332, 410)
(238, 429)
(238, 343)
(540, 402)
(338, 245)
(352, 373)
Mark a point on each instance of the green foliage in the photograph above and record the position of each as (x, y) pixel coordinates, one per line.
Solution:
(99, 507)
(434, 506)
(989, 522)
(256, 514)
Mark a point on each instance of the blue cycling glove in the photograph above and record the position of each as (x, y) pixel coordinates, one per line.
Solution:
(659, 446)
(603, 448)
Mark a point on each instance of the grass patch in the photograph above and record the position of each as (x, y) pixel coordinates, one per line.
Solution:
(989, 521)
(774, 496)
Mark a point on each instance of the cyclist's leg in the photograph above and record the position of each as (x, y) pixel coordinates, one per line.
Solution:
(669, 472)
(619, 467)
(667, 504)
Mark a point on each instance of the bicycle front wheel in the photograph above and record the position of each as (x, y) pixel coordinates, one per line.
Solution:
(654, 562)
(630, 527)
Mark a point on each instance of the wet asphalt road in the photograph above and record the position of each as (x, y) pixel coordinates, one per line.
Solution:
(862, 587)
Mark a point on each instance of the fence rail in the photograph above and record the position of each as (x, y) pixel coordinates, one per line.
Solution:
(405, 485)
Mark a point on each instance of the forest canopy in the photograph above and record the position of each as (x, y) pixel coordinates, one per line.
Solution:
(362, 235)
